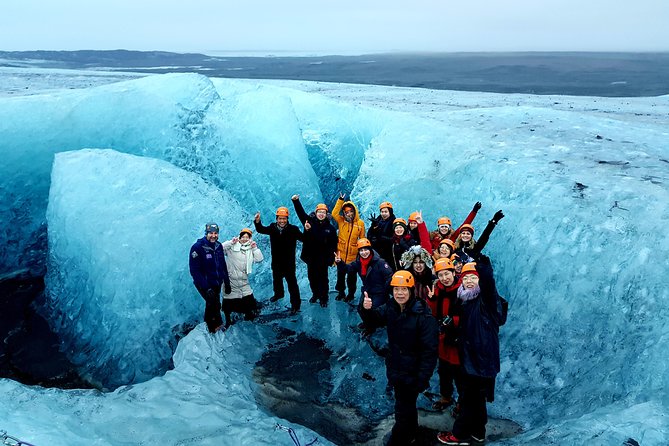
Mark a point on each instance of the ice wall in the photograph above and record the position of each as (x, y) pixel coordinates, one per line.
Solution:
(120, 229)
(581, 255)
(335, 134)
(240, 138)
(142, 116)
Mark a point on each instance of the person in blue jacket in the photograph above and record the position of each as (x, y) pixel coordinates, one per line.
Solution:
(375, 274)
(210, 272)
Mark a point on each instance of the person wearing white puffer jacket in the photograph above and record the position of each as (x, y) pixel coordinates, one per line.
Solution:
(241, 253)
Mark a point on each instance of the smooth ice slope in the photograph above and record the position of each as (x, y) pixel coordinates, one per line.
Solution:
(119, 289)
(142, 116)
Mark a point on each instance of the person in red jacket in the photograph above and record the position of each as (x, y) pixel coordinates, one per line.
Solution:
(445, 229)
(445, 308)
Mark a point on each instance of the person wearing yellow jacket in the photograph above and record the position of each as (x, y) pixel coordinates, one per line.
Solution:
(351, 228)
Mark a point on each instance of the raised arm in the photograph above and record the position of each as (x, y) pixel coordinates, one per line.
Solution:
(485, 235)
(423, 233)
(301, 214)
(337, 210)
(260, 229)
(470, 218)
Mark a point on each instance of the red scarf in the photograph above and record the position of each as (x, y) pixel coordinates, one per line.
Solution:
(364, 263)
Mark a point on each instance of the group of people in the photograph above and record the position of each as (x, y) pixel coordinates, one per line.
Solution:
(443, 309)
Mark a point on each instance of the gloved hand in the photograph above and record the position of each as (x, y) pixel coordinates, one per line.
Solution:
(211, 294)
(228, 288)
(372, 217)
(498, 216)
(477, 206)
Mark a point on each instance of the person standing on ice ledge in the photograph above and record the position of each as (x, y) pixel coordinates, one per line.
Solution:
(413, 339)
(283, 238)
(380, 232)
(209, 271)
(351, 228)
(478, 343)
(242, 253)
(318, 248)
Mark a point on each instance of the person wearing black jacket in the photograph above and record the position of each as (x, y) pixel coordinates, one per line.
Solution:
(318, 249)
(380, 233)
(465, 245)
(374, 272)
(400, 243)
(479, 352)
(283, 238)
(207, 266)
(412, 340)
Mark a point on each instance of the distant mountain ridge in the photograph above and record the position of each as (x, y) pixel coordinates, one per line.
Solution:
(566, 73)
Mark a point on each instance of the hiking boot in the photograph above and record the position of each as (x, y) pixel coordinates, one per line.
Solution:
(341, 296)
(449, 438)
(275, 298)
(324, 303)
(313, 300)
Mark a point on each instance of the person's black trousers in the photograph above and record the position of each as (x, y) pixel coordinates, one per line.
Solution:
(278, 274)
(406, 417)
(212, 308)
(319, 281)
(449, 373)
(346, 280)
(473, 415)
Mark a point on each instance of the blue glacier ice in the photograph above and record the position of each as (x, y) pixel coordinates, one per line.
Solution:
(582, 255)
(112, 270)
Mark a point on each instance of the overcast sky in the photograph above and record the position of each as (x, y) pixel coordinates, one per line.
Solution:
(336, 26)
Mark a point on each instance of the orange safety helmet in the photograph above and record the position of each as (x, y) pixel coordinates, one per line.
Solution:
(385, 204)
(246, 231)
(282, 212)
(402, 278)
(444, 221)
(413, 216)
(399, 220)
(321, 207)
(469, 268)
(364, 243)
(449, 242)
(442, 264)
(468, 227)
